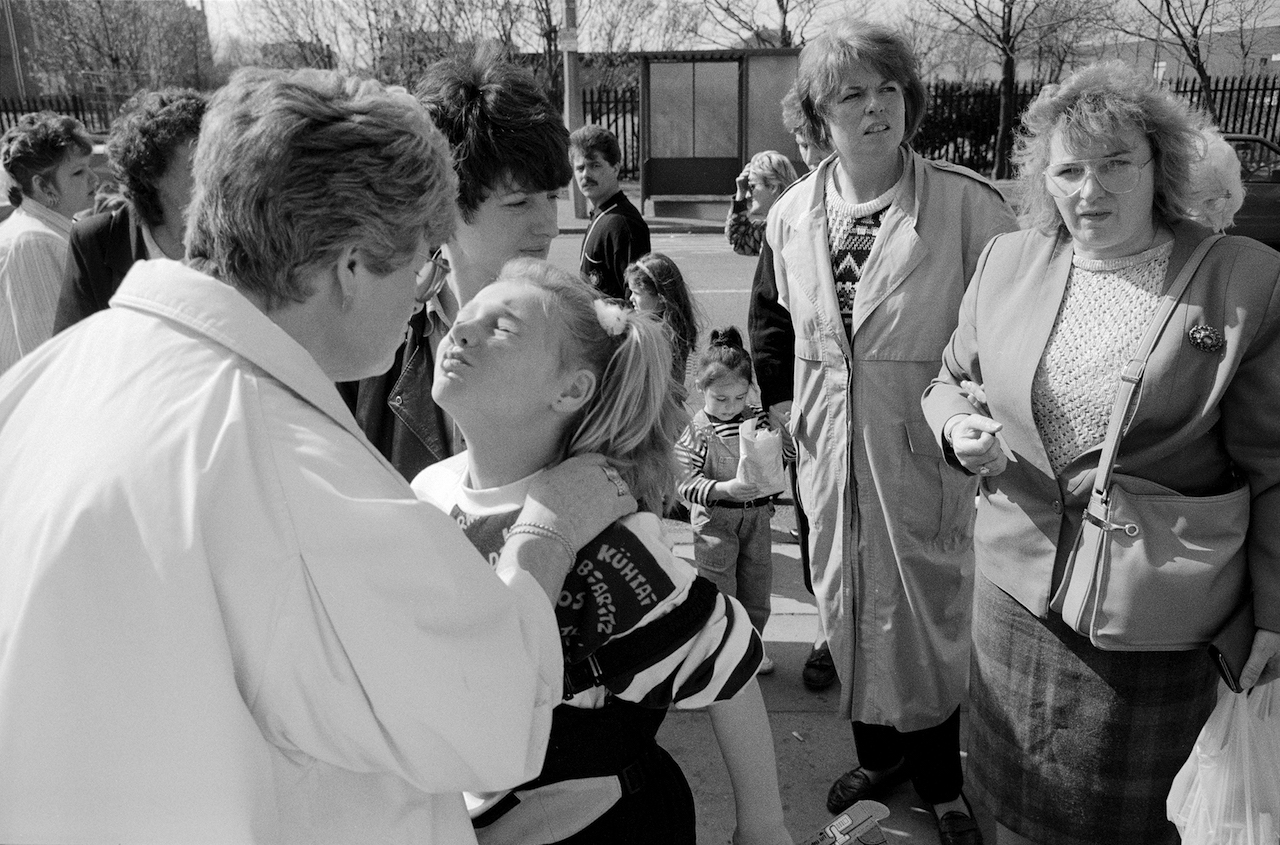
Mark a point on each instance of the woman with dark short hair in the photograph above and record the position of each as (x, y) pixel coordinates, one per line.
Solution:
(149, 150)
(510, 154)
(46, 157)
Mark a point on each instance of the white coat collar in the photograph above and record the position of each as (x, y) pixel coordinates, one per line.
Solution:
(173, 291)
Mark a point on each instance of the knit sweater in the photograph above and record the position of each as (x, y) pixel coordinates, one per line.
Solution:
(1106, 310)
(851, 233)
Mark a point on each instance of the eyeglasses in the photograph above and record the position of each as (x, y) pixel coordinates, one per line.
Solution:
(432, 277)
(1114, 175)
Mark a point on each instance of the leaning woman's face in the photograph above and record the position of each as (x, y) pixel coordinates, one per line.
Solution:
(375, 314)
(1111, 213)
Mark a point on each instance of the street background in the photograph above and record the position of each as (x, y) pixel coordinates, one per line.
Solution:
(813, 744)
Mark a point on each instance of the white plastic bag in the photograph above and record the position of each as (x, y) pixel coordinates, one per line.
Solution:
(760, 458)
(1228, 791)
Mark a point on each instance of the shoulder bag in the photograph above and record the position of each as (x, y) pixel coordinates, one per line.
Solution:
(1152, 569)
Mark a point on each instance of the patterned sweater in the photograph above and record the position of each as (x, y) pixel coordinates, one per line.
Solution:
(851, 233)
(744, 233)
(1075, 385)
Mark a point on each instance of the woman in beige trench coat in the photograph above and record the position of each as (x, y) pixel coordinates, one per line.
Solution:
(856, 294)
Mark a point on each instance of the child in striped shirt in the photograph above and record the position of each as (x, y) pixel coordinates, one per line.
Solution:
(732, 539)
(538, 367)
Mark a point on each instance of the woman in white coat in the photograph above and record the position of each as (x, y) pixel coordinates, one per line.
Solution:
(857, 291)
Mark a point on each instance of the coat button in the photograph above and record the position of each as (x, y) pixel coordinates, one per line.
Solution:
(1057, 506)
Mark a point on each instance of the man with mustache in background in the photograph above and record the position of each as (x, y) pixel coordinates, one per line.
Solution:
(618, 234)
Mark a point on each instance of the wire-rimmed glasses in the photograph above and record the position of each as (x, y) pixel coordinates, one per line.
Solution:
(1116, 175)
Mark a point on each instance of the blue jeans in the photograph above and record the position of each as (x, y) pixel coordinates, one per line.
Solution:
(733, 548)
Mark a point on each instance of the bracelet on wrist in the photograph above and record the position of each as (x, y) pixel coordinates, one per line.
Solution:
(537, 529)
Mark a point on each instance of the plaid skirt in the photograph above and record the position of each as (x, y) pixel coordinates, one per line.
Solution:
(1073, 745)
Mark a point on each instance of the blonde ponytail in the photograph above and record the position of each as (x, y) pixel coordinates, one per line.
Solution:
(636, 412)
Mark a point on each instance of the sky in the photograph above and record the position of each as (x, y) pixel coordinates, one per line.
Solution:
(224, 15)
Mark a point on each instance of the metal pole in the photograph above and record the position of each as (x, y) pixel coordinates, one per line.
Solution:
(572, 90)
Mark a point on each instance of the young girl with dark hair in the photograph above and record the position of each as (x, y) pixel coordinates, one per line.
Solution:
(732, 540)
(656, 286)
(536, 368)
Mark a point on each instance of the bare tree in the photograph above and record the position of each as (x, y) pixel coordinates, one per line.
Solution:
(734, 23)
(1242, 20)
(1051, 30)
(1067, 32)
(1188, 25)
(617, 27)
(395, 40)
(299, 33)
(942, 51)
(1007, 26)
(112, 48)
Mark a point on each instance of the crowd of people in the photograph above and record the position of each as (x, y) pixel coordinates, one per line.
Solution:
(330, 510)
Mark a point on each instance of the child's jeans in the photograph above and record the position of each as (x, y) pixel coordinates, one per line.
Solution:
(733, 548)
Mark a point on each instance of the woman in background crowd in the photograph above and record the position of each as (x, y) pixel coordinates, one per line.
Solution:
(150, 150)
(859, 284)
(1071, 744)
(762, 181)
(46, 157)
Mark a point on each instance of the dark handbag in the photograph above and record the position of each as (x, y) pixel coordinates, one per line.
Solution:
(1152, 569)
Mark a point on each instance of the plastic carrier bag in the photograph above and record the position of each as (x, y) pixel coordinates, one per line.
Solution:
(760, 457)
(1228, 791)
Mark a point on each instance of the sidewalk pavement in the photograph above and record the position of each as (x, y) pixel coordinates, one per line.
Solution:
(813, 744)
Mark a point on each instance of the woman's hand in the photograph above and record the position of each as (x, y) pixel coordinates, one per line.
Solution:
(1263, 665)
(567, 506)
(578, 499)
(743, 184)
(737, 490)
(973, 439)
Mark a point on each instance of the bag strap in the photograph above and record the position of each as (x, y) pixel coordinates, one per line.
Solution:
(1131, 375)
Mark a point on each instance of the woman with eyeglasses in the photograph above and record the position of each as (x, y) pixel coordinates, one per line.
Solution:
(1070, 743)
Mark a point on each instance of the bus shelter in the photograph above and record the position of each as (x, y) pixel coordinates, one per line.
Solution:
(703, 114)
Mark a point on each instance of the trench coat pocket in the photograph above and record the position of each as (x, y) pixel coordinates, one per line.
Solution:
(937, 500)
(808, 348)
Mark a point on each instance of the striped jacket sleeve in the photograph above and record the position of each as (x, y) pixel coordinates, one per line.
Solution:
(691, 449)
(712, 664)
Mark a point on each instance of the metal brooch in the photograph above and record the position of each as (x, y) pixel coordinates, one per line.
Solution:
(1206, 338)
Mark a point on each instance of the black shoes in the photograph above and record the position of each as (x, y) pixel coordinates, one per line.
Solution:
(819, 670)
(855, 785)
(955, 828)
